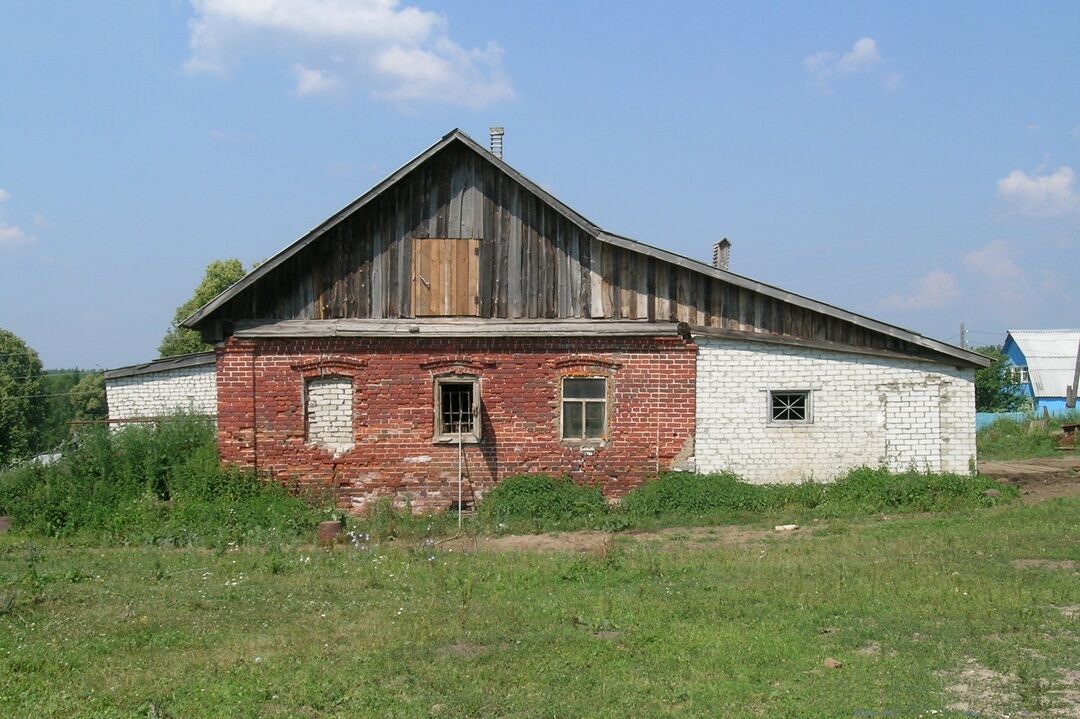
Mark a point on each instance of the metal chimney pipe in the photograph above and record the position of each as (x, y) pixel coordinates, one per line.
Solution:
(721, 254)
(497, 141)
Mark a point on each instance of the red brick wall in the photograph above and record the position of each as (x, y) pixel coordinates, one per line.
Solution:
(261, 418)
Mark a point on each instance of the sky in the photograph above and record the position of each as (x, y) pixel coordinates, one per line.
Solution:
(913, 162)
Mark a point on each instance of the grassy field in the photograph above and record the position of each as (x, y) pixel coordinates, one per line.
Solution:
(975, 610)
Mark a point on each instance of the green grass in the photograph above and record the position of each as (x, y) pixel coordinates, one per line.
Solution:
(1009, 439)
(646, 629)
(153, 484)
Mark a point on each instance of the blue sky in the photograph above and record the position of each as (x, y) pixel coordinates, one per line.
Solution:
(914, 162)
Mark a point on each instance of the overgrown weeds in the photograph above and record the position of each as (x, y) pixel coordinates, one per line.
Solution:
(1011, 439)
(541, 501)
(160, 484)
(862, 491)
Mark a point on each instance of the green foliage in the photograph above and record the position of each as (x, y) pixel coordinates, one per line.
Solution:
(995, 390)
(220, 275)
(542, 500)
(21, 404)
(88, 397)
(861, 491)
(150, 483)
(1011, 439)
(57, 385)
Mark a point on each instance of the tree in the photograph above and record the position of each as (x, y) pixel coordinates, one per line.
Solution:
(220, 275)
(21, 403)
(57, 385)
(996, 389)
(88, 397)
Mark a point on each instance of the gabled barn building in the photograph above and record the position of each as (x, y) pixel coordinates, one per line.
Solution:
(457, 317)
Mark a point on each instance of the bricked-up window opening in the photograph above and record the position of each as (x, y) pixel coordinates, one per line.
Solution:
(457, 410)
(789, 406)
(329, 412)
(584, 408)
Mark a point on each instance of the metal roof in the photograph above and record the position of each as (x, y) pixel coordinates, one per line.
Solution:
(967, 357)
(1051, 358)
(165, 364)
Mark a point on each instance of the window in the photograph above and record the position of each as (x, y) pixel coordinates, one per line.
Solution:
(789, 407)
(329, 412)
(457, 409)
(584, 408)
(1019, 375)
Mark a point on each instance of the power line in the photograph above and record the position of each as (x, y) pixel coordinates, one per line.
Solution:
(35, 396)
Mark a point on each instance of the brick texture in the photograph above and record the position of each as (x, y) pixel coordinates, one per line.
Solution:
(190, 389)
(262, 424)
(865, 411)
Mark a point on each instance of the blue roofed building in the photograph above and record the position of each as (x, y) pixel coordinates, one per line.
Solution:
(1045, 365)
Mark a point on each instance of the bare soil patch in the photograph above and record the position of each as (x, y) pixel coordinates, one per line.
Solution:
(1038, 478)
(981, 691)
(586, 542)
(1066, 565)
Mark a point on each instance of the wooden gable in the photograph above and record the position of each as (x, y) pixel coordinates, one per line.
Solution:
(459, 233)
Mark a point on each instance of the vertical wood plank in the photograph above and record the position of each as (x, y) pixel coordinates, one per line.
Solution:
(514, 259)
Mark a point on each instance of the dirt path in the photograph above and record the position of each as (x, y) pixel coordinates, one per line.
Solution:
(1039, 478)
(597, 542)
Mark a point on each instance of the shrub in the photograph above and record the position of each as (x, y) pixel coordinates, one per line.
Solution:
(861, 491)
(541, 500)
(157, 483)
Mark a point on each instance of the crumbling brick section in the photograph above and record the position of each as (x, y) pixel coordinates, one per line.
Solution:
(262, 423)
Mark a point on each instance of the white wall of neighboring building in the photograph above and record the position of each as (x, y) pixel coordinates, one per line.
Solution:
(155, 394)
(866, 410)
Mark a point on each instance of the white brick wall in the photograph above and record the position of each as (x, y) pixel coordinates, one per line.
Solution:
(330, 413)
(155, 394)
(866, 411)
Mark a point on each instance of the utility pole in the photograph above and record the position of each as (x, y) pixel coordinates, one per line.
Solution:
(963, 336)
(1070, 391)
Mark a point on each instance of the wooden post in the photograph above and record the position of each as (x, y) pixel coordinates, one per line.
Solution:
(1070, 392)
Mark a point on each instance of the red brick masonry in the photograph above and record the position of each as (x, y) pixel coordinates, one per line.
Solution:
(650, 412)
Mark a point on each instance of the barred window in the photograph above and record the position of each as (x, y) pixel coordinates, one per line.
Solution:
(584, 408)
(789, 406)
(457, 409)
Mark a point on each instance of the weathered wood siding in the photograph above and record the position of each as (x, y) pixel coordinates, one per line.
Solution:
(532, 263)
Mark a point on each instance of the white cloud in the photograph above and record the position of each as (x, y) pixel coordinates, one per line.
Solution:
(993, 260)
(396, 51)
(1052, 195)
(310, 81)
(999, 276)
(12, 235)
(826, 68)
(935, 289)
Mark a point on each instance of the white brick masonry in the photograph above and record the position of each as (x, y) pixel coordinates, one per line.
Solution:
(330, 413)
(865, 411)
(155, 394)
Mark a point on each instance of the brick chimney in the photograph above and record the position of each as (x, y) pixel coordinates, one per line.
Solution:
(721, 254)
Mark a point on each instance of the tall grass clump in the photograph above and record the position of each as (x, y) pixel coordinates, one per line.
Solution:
(540, 501)
(158, 483)
(1012, 439)
(862, 491)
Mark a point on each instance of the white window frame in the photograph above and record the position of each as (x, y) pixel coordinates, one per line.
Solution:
(607, 409)
(1020, 374)
(438, 435)
(809, 418)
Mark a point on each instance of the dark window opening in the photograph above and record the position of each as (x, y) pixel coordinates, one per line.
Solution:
(789, 406)
(457, 411)
(584, 408)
